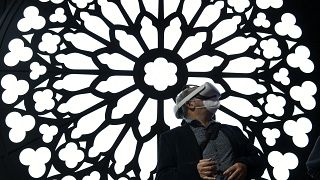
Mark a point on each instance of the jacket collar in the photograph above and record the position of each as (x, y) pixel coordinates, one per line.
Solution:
(191, 139)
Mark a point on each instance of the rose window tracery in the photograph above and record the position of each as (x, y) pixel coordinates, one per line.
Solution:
(87, 86)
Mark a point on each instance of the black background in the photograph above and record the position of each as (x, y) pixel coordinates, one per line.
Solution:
(307, 13)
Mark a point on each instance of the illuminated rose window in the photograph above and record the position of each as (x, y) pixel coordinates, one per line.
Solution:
(89, 84)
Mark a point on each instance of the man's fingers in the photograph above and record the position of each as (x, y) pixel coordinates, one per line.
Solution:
(206, 162)
(229, 171)
(209, 178)
(206, 173)
(208, 168)
(233, 176)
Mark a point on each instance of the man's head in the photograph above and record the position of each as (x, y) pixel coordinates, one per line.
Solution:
(197, 100)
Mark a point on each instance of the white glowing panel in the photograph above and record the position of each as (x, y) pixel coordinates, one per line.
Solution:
(95, 80)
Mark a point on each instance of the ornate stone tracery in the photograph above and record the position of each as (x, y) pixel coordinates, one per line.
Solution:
(89, 85)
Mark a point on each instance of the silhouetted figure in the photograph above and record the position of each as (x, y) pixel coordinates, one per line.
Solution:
(202, 148)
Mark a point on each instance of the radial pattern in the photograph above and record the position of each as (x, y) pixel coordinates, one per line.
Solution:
(87, 86)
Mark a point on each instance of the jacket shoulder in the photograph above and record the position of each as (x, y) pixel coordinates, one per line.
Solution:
(173, 132)
(233, 131)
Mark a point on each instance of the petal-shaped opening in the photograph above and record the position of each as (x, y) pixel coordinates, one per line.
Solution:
(93, 175)
(105, 139)
(79, 103)
(129, 43)
(125, 152)
(39, 157)
(190, 8)
(301, 140)
(298, 129)
(13, 88)
(287, 26)
(71, 154)
(300, 59)
(95, 25)
(210, 14)
(168, 113)
(74, 82)
(304, 94)
(31, 20)
(225, 28)
(204, 63)
(83, 41)
(237, 45)
(147, 116)
(149, 33)
(69, 177)
(170, 6)
(49, 43)
(18, 52)
(239, 5)
(275, 105)
(48, 132)
(76, 61)
(26, 155)
(305, 124)
(152, 6)
(19, 126)
(243, 65)
(115, 84)
(261, 20)
(192, 44)
(225, 118)
(172, 34)
(271, 135)
(126, 104)
(148, 158)
(241, 106)
(132, 8)
(112, 12)
(44, 100)
(160, 74)
(246, 86)
(288, 161)
(116, 61)
(89, 123)
(270, 48)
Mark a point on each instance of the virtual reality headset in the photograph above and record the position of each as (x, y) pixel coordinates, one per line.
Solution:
(205, 91)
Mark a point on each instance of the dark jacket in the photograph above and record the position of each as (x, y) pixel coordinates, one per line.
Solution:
(179, 153)
(313, 162)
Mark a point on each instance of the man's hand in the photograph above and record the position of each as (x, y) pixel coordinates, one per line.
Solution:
(207, 168)
(238, 171)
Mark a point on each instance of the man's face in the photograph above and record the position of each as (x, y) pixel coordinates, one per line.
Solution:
(196, 105)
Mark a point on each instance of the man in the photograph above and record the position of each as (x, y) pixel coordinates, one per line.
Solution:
(202, 148)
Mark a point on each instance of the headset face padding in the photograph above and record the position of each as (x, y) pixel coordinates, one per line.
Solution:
(205, 91)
